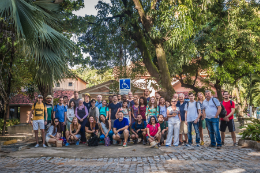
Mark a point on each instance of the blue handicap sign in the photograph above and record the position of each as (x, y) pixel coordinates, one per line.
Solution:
(125, 84)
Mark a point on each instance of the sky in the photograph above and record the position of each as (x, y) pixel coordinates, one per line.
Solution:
(89, 8)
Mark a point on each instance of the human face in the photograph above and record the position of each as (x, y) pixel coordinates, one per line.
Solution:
(115, 99)
(119, 97)
(72, 104)
(130, 95)
(136, 101)
(124, 104)
(49, 100)
(191, 97)
(124, 97)
(66, 100)
(91, 119)
(152, 120)
(162, 101)
(110, 98)
(93, 103)
(40, 99)
(56, 122)
(208, 95)
(174, 102)
(160, 118)
(99, 98)
(146, 93)
(181, 98)
(76, 95)
(139, 118)
(86, 98)
(152, 100)
(141, 101)
(200, 96)
(60, 100)
(80, 103)
(167, 104)
(157, 95)
(175, 96)
(104, 103)
(102, 117)
(120, 116)
(75, 120)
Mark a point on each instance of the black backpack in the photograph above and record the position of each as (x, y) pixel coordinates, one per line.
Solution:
(223, 111)
(93, 141)
(196, 104)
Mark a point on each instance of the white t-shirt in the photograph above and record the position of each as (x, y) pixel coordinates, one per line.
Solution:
(192, 111)
(70, 114)
(176, 118)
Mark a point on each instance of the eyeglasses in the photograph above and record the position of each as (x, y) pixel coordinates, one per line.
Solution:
(174, 101)
(56, 121)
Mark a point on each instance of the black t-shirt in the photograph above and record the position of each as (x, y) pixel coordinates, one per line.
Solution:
(88, 125)
(114, 108)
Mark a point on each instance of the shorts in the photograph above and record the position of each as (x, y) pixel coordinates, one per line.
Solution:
(147, 137)
(140, 135)
(202, 123)
(38, 124)
(230, 124)
(183, 128)
(78, 136)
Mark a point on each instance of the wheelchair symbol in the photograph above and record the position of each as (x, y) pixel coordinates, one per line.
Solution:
(124, 85)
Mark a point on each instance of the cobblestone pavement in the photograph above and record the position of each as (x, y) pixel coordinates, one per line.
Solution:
(175, 159)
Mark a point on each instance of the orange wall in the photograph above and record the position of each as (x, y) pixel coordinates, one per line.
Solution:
(24, 114)
(77, 85)
(179, 88)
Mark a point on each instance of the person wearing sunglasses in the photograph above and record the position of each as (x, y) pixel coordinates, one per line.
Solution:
(174, 119)
(52, 134)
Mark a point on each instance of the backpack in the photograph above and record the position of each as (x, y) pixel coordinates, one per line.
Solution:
(137, 123)
(223, 111)
(93, 141)
(107, 141)
(196, 104)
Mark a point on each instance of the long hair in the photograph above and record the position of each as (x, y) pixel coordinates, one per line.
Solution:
(106, 121)
(203, 97)
(94, 122)
(155, 102)
(151, 121)
(144, 99)
(73, 125)
(126, 104)
(58, 126)
(74, 107)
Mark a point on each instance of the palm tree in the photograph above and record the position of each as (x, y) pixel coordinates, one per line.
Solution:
(31, 24)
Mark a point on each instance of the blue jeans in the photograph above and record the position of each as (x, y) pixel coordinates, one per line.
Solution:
(213, 127)
(110, 134)
(196, 128)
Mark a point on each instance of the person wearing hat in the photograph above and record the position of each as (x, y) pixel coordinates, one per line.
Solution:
(49, 107)
(86, 100)
(38, 110)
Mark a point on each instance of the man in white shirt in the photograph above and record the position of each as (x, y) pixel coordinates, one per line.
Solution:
(192, 116)
(212, 109)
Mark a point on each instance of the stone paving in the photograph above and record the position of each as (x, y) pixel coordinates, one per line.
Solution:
(229, 159)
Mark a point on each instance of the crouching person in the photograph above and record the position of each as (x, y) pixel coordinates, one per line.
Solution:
(153, 132)
(120, 129)
(73, 133)
(52, 135)
(139, 130)
(105, 129)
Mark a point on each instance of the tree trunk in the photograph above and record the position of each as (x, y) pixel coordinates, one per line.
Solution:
(218, 88)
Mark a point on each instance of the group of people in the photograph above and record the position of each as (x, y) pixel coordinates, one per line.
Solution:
(145, 119)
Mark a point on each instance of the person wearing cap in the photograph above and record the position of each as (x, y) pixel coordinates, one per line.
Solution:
(38, 110)
(49, 107)
(86, 100)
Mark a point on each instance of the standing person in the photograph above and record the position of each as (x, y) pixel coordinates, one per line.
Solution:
(106, 129)
(153, 131)
(151, 109)
(164, 128)
(120, 129)
(119, 99)
(60, 112)
(81, 113)
(49, 107)
(53, 135)
(126, 111)
(135, 110)
(87, 100)
(163, 108)
(202, 122)
(167, 103)
(99, 101)
(76, 98)
(147, 94)
(113, 107)
(66, 101)
(94, 111)
(139, 130)
(142, 107)
(70, 114)
(91, 127)
(183, 127)
(174, 120)
(104, 110)
(110, 99)
(228, 121)
(38, 110)
(130, 99)
(192, 117)
(124, 98)
(73, 134)
(157, 97)
(212, 109)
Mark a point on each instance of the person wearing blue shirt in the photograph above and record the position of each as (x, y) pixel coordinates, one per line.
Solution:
(99, 102)
(211, 109)
(120, 129)
(183, 127)
(60, 112)
(139, 130)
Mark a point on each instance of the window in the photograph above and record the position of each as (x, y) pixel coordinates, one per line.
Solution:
(70, 83)
(57, 84)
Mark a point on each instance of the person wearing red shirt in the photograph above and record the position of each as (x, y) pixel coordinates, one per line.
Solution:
(228, 121)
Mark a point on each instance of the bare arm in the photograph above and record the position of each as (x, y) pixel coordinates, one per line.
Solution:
(232, 112)
(122, 129)
(87, 130)
(109, 114)
(218, 112)
(30, 116)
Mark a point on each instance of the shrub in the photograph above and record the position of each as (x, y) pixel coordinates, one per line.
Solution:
(252, 131)
(10, 122)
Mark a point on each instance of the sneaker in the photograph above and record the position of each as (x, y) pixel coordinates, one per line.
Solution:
(212, 145)
(36, 146)
(218, 147)
(120, 143)
(188, 145)
(144, 143)
(180, 143)
(77, 143)
(176, 145)
(49, 145)
(235, 144)
(202, 143)
(222, 143)
(159, 144)
(198, 145)
(125, 144)
(167, 145)
(67, 144)
(44, 146)
(135, 141)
